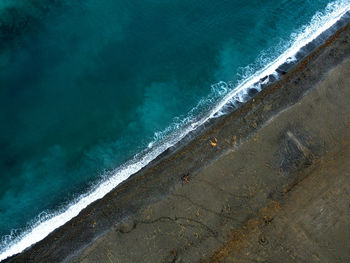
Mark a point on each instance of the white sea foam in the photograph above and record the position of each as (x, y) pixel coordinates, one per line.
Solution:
(320, 22)
(47, 223)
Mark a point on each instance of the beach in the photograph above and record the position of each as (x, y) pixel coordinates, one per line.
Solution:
(268, 182)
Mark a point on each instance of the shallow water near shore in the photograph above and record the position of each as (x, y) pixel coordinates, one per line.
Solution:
(86, 86)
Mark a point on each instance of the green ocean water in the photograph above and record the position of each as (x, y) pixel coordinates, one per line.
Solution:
(86, 85)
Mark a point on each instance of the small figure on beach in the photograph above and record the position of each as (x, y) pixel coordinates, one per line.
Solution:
(185, 178)
(214, 142)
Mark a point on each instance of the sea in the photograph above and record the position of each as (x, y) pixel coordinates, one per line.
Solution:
(91, 91)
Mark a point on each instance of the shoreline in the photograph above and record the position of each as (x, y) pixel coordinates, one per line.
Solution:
(178, 155)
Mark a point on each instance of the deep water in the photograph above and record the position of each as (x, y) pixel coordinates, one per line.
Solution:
(85, 85)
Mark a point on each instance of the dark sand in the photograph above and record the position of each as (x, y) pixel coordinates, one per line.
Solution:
(268, 183)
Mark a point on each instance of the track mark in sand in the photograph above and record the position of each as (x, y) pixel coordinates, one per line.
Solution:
(299, 145)
(181, 221)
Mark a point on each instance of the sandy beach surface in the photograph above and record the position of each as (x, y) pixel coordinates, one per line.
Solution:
(269, 182)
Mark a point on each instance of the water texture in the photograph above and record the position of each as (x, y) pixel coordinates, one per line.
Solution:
(87, 85)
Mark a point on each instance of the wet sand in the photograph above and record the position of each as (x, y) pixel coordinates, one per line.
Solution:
(270, 182)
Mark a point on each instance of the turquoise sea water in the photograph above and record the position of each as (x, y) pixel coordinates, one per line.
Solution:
(86, 85)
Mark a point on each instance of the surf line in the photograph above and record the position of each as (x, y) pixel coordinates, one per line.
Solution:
(11, 245)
